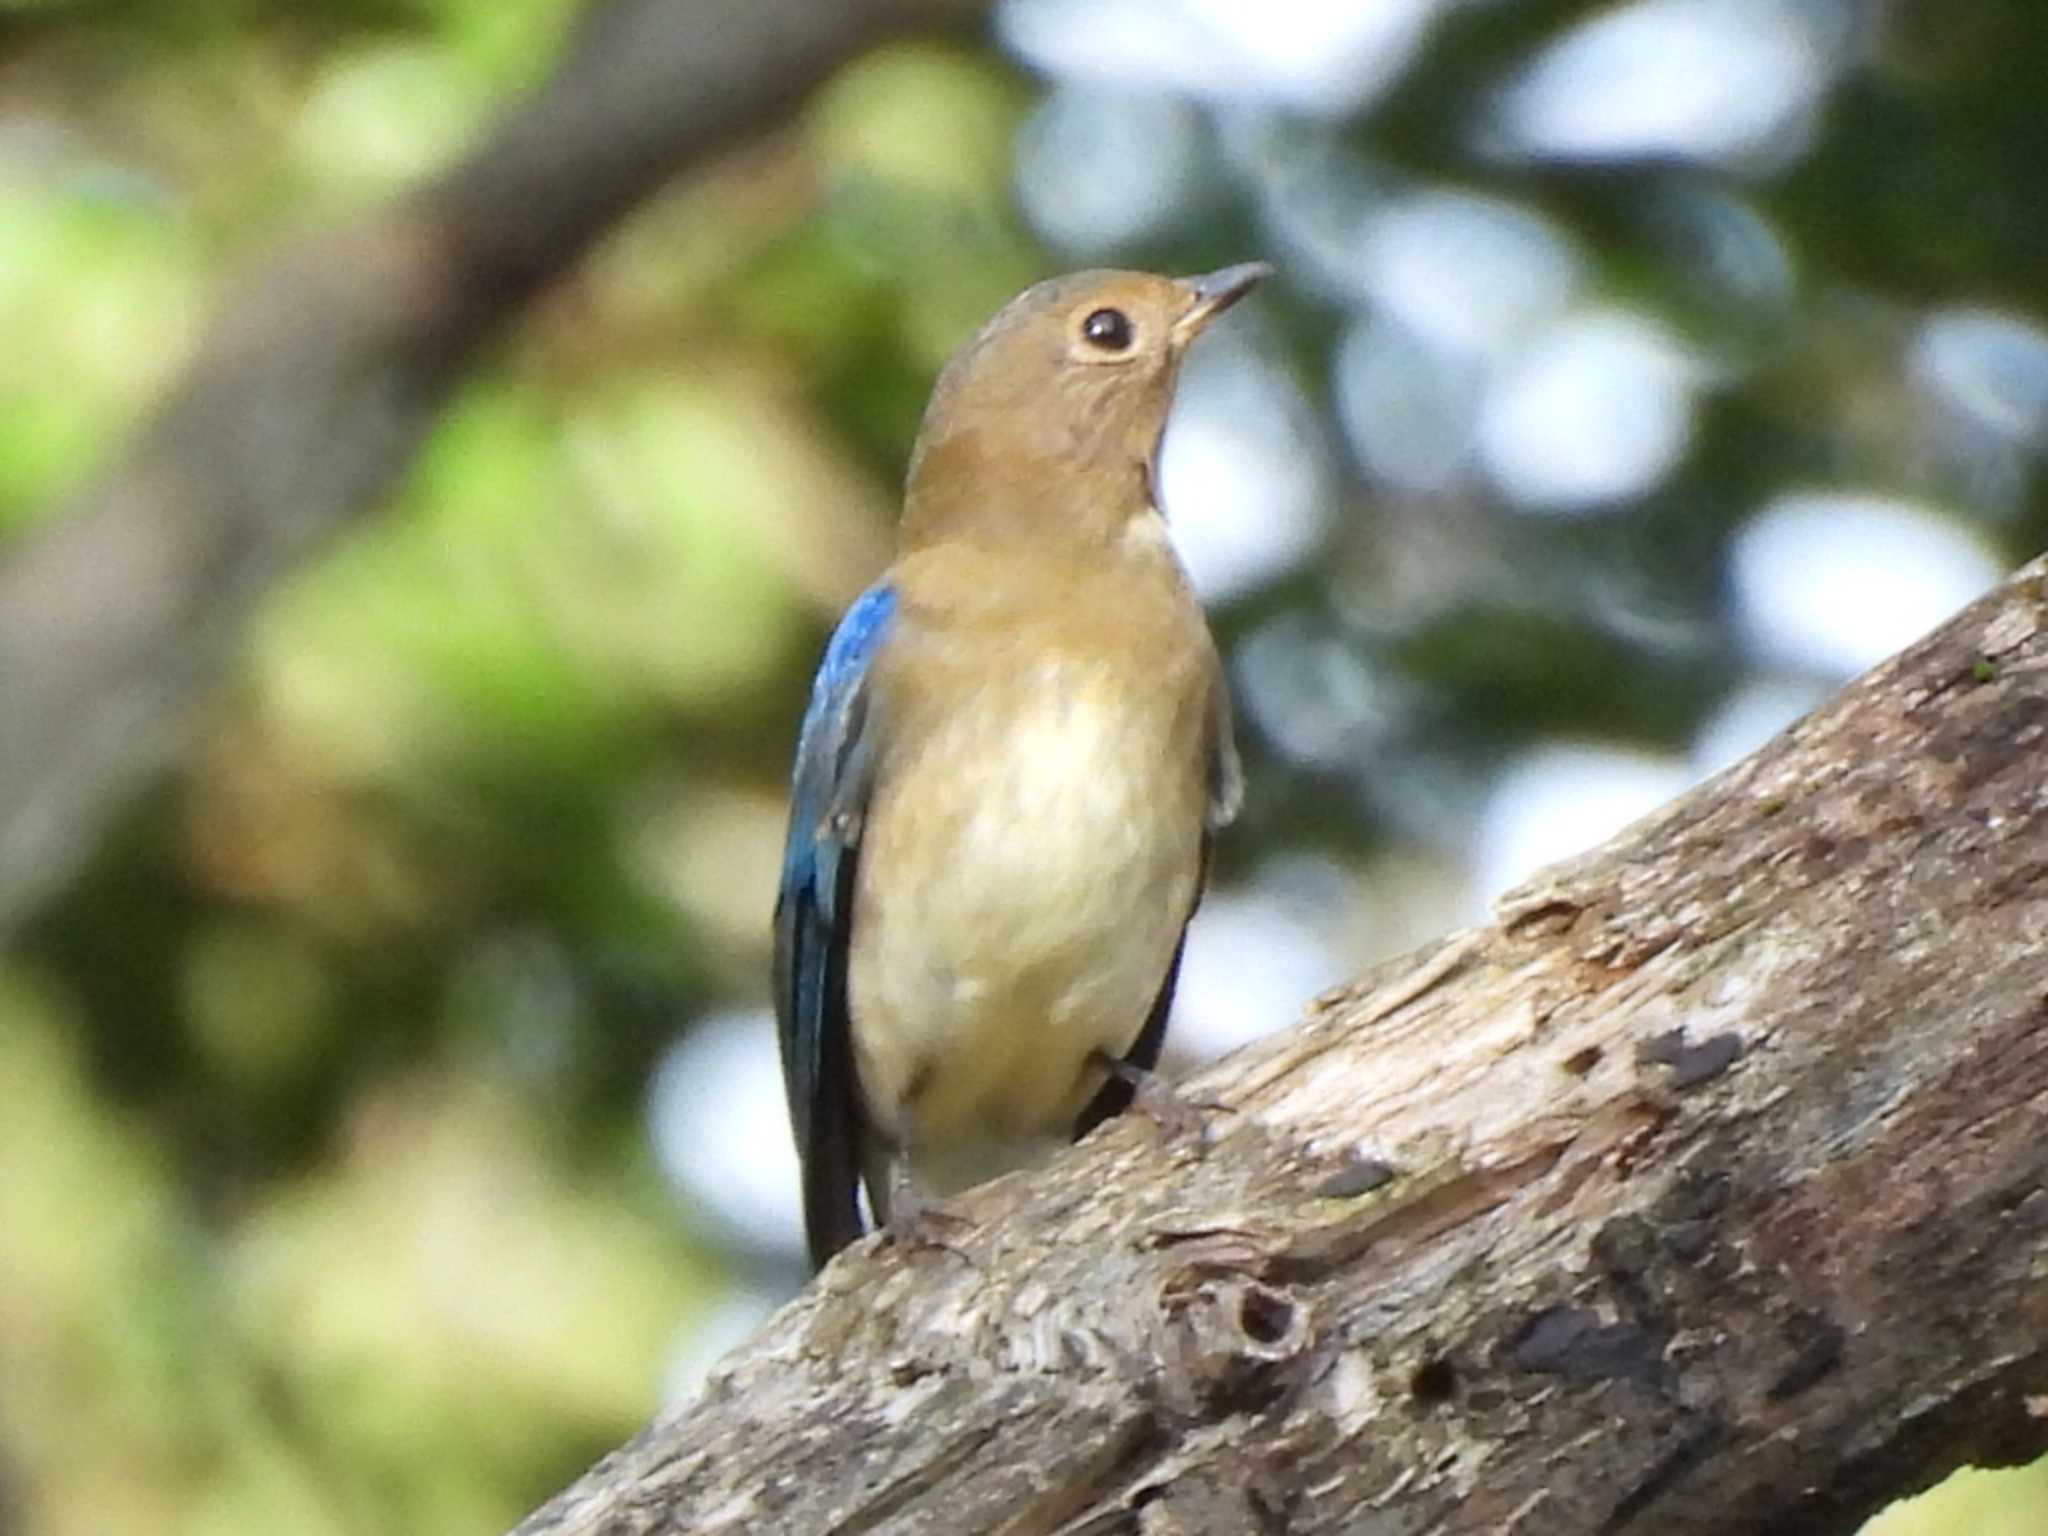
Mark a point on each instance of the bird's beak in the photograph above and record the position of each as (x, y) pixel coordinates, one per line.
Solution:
(1214, 292)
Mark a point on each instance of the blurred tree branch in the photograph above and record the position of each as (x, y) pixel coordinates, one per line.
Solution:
(324, 369)
(1703, 1192)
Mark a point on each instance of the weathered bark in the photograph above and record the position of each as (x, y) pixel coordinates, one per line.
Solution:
(322, 373)
(1702, 1192)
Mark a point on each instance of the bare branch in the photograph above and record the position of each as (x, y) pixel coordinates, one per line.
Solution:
(1701, 1193)
(323, 371)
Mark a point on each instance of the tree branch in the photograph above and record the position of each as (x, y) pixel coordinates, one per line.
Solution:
(323, 371)
(1703, 1192)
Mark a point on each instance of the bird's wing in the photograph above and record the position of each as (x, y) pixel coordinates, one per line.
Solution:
(835, 759)
(1226, 772)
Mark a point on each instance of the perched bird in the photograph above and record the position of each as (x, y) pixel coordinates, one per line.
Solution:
(1017, 748)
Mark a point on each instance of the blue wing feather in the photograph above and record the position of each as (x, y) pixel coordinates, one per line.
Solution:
(813, 921)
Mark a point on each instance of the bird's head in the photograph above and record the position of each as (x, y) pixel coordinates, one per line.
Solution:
(1055, 409)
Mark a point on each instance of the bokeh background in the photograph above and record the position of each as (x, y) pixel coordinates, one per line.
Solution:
(388, 1117)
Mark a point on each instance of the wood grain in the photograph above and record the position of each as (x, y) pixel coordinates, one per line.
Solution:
(1701, 1192)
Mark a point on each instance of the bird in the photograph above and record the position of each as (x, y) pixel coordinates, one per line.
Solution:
(1017, 751)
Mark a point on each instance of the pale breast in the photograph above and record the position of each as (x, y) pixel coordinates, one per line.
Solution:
(1025, 875)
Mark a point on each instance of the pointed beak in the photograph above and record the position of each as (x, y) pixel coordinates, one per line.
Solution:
(1214, 292)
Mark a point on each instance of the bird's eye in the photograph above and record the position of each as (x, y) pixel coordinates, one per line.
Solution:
(1109, 329)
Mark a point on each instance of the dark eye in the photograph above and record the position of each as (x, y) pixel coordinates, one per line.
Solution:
(1109, 329)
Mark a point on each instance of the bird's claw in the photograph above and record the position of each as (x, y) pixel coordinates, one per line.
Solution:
(916, 1220)
(1179, 1116)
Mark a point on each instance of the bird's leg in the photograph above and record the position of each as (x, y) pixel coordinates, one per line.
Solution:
(910, 1217)
(1152, 1096)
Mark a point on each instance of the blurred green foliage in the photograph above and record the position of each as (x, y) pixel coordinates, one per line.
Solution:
(327, 1199)
(328, 1203)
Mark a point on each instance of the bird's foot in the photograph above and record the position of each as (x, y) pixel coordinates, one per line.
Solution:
(1178, 1115)
(916, 1220)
